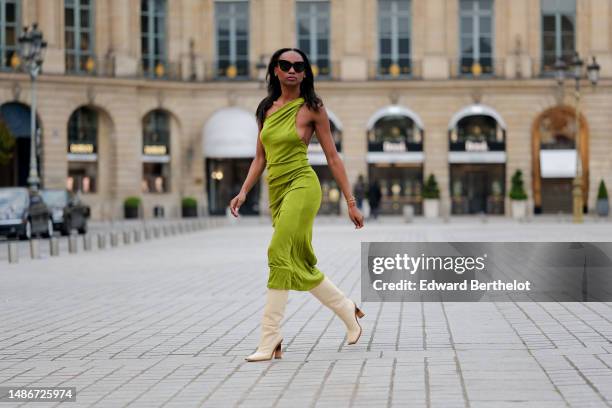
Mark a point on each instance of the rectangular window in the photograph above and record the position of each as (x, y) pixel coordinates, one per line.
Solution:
(476, 37)
(10, 29)
(232, 38)
(558, 32)
(153, 37)
(394, 28)
(79, 36)
(313, 26)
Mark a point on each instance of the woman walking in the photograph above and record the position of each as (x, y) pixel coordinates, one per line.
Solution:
(287, 118)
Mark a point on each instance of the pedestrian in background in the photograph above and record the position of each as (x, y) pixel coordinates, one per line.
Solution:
(359, 191)
(374, 197)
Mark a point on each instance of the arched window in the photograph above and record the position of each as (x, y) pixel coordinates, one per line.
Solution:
(156, 152)
(395, 133)
(477, 133)
(83, 150)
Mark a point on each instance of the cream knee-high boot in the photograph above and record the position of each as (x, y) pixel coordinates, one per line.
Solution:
(343, 307)
(270, 340)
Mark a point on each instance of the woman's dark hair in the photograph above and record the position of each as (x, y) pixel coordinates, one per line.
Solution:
(274, 87)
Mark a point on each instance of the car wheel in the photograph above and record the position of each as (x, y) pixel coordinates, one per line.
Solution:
(49, 232)
(27, 233)
(83, 229)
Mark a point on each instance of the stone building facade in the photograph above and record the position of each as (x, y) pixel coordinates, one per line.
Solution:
(401, 80)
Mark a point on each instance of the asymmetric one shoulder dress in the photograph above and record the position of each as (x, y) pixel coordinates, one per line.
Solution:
(295, 198)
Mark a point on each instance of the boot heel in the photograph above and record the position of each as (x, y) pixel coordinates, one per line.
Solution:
(358, 312)
(278, 352)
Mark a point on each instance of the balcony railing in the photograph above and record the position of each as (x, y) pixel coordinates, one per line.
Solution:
(90, 65)
(171, 71)
(193, 68)
(391, 70)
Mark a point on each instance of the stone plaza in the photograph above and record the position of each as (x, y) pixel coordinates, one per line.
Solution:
(169, 322)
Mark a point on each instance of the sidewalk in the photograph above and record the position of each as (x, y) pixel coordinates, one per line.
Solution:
(169, 322)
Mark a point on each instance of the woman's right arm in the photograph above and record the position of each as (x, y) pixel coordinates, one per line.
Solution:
(255, 170)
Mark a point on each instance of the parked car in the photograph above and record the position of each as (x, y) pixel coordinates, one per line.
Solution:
(24, 214)
(68, 212)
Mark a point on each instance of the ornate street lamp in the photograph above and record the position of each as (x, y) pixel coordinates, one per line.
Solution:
(577, 66)
(32, 51)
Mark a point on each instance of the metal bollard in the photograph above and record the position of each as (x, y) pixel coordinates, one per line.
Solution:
(13, 254)
(72, 244)
(156, 232)
(54, 247)
(114, 239)
(137, 236)
(126, 237)
(165, 230)
(86, 242)
(147, 233)
(34, 249)
(101, 241)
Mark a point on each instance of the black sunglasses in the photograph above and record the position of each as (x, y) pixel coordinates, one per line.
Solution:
(298, 66)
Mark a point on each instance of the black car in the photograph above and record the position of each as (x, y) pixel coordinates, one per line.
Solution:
(68, 212)
(24, 214)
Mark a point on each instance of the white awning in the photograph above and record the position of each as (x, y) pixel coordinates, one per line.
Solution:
(476, 109)
(477, 157)
(334, 119)
(558, 163)
(395, 157)
(318, 159)
(394, 110)
(230, 133)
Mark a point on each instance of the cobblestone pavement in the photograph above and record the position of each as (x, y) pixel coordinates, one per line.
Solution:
(169, 322)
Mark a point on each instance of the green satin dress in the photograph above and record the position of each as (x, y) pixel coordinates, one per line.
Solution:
(295, 198)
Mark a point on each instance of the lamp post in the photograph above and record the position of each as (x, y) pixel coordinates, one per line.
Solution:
(577, 66)
(32, 49)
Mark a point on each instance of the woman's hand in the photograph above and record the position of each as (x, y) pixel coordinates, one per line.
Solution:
(355, 216)
(236, 203)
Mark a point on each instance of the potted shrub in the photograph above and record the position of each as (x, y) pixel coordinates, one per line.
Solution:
(518, 196)
(131, 205)
(602, 200)
(189, 207)
(431, 197)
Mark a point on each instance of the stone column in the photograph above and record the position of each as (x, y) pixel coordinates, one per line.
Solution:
(433, 20)
(50, 17)
(125, 36)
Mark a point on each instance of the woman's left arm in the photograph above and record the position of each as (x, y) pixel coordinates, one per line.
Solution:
(326, 140)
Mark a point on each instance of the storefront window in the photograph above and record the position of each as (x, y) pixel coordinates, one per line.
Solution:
(400, 184)
(156, 152)
(477, 188)
(83, 151)
(224, 179)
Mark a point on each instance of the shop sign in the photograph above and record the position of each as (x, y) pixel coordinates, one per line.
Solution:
(394, 146)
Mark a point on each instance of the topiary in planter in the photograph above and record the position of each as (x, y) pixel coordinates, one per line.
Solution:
(131, 206)
(189, 207)
(430, 188)
(517, 191)
(602, 200)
